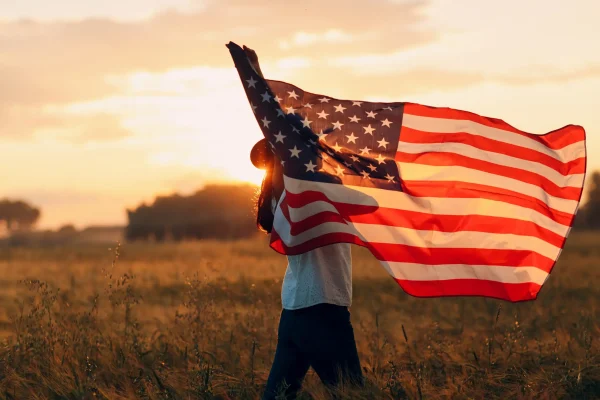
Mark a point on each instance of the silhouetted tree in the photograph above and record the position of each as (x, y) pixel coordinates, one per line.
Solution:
(588, 216)
(217, 211)
(18, 214)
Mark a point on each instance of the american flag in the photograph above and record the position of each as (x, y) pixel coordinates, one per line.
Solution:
(451, 203)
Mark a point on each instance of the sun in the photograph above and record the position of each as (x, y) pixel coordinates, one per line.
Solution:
(249, 175)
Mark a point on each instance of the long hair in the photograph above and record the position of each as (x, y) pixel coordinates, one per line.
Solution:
(264, 212)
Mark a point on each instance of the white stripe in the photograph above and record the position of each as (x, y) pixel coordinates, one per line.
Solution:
(421, 272)
(432, 205)
(376, 233)
(442, 125)
(314, 208)
(573, 180)
(419, 172)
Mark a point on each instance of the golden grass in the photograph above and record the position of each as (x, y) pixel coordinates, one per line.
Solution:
(198, 320)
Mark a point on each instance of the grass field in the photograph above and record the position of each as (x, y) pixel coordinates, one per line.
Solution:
(198, 320)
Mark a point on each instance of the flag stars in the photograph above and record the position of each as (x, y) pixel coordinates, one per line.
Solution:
(266, 97)
(306, 123)
(280, 113)
(324, 100)
(290, 110)
(365, 175)
(357, 103)
(337, 148)
(322, 114)
(381, 159)
(372, 167)
(386, 122)
(368, 130)
(354, 158)
(337, 125)
(321, 135)
(339, 171)
(266, 122)
(383, 143)
(354, 118)
(371, 114)
(339, 108)
(352, 138)
(278, 99)
(310, 166)
(308, 105)
(295, 152)
(388, 108)
(293, 95)
(253, 107)
(251, 82)
(389, 177)
(364, 151)
(279, 137)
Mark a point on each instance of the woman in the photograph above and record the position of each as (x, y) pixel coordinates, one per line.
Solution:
(314, 328)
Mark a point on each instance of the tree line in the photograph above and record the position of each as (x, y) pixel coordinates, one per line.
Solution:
(221, 212)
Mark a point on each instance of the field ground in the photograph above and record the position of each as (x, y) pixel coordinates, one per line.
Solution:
(198, 320)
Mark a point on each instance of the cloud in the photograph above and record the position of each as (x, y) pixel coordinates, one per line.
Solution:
(331, 36)
(58, 63)
(24, 122)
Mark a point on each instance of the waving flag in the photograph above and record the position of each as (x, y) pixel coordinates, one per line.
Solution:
(451, 203)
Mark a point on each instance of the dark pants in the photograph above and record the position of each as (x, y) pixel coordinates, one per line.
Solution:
(321, 337)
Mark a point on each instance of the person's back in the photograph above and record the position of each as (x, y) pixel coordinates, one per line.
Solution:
(323, 275)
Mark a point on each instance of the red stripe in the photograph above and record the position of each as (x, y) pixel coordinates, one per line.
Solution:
(331, 238)
(451, 189)
(471, 287)
(454, 159)
(556, 139)
(415, 136)
(422, 221)
(468, 256)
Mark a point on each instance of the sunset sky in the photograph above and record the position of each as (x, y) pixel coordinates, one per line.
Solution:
(106, 104)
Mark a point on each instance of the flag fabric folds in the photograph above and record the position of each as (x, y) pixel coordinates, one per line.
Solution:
(451, 203)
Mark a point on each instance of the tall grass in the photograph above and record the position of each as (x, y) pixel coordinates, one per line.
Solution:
(199, 320)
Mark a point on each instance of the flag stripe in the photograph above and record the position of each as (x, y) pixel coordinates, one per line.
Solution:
(448, 175)
(429, 238)
(313, 214)
(432, 201)
(459, 153)
(444, 272)
(557, 139)
(428, 189)
(471, 287)
(439, 125)
(420, 137)
(458, 160)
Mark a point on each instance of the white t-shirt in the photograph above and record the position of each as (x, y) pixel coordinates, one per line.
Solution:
(323, 275)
